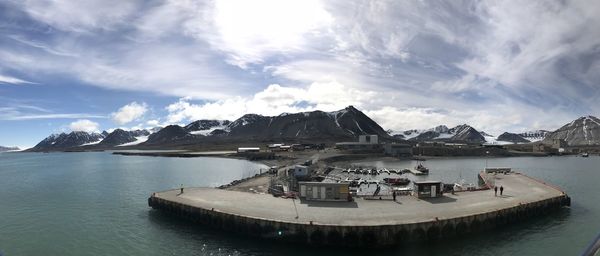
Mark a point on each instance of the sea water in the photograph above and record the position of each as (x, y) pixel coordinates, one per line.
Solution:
(96, 204)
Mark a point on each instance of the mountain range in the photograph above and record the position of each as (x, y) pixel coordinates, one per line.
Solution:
(4, 149)
(583, 131)
(512, 137)
(345, 124)
(460, 133)
(315, 126)
(120, 137)
(64, 141)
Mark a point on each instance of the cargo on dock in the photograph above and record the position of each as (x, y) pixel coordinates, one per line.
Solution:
(364, 223)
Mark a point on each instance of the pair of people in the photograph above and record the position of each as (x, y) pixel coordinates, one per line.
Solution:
(496, 190)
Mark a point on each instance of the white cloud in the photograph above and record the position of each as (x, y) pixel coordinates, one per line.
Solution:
(12, 80)
(80, 16)
(84, 125)
(408, 63)
(273, 100)
(250, 31)
(153, 123)
(129, 113)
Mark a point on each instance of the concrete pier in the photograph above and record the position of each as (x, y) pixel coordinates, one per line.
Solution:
(364, 223)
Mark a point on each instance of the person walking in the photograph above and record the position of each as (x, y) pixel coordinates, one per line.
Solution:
(181, 189)
(501, 190)
(495, 191)
(394, 195)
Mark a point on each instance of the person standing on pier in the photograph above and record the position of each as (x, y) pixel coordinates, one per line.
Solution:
(495, 191)
(501, 190)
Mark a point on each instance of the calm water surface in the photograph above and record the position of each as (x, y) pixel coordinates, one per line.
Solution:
(95, 204)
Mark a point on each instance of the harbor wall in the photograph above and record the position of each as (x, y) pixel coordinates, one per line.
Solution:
(319, 234)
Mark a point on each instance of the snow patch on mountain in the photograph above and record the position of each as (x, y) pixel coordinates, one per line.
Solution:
(208, 132)
(138, 140)
(91, 143)
(493, 140)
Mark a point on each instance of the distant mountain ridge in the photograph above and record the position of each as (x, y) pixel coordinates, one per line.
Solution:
(207, 127)
(120, 136)
(168, 135)
(67, 140)
(462, 133)
(342, 125)
(78, 139)
(345, 124)
(4, 149)
(583, 131)
(512, 137)
(536, 135)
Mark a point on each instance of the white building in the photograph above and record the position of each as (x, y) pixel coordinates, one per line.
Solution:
(243, 150)
(300, 171)
(322, 191)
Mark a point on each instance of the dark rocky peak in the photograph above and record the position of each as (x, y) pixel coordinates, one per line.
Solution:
(139, 133)
(512, 137)
(466, 133)
(346, 123)
(581, 131)
(201, 125)
(248, 119)
(440, 129)
(118, 137)
(168, 134)
(67, 140)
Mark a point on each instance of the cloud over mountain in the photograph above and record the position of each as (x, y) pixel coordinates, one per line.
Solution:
(500, 66)
(129, 113)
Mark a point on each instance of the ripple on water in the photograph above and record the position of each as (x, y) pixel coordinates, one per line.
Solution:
(95, 204)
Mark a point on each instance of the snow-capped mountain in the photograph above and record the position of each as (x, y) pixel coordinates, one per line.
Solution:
(464, 133)
(206, 127)
(512, 137)
(64, 141)
(120, 137)
(534, 136)
(582, 131)
(169, 135)
(346, 123)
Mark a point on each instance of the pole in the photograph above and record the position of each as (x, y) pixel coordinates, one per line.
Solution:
(295, 208)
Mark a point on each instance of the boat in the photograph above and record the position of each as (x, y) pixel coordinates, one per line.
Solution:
(585, 154)
(356, 182)
(421, 168)
(397, 181)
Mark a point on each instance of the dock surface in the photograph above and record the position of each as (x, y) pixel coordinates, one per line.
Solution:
(518, 189)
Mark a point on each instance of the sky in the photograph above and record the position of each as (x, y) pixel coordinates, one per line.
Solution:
(96, 65)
